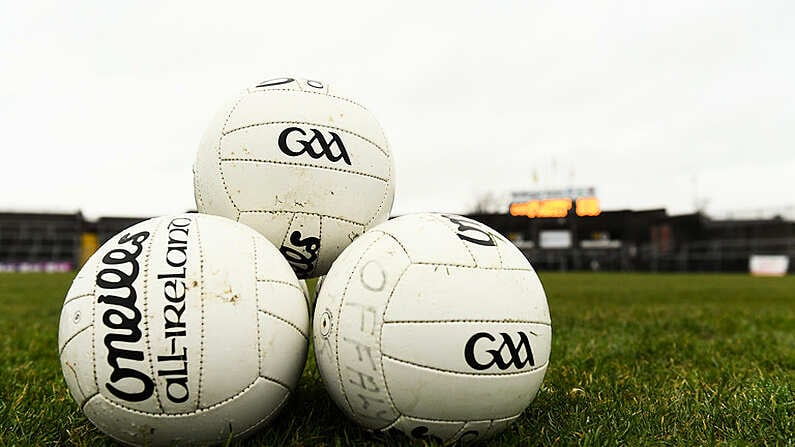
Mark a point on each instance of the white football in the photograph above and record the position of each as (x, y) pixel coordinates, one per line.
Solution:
(306, 167)
(435, 325)
(182, 330)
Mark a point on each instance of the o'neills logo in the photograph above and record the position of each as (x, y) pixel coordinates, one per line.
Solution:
(302, 264)
(513, 351)
(123, 318)
(476, 235)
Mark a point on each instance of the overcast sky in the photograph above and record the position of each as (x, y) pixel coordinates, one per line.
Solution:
(656, 105)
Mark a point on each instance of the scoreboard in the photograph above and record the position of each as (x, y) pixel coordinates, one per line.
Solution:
(555, 203)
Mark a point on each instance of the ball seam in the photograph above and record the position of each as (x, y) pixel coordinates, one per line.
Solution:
(304, 165)
(289, 227)
(458, 373)
(285, 321)
(381, 335)
(259, 304)
(319, 245)
(71, 337)
(342, 219)
(465, 320)
(145, 309)
(196, 411)
(383, 198)
(202, 317)
(451, 264)
(399, 244)
(341, 98)
(69, 300)
(218, 155)
(286, 283)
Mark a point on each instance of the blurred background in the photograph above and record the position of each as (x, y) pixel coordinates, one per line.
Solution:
(651, 136)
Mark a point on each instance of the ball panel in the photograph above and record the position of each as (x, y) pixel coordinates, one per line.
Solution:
(342, 327)
(283, 347)
(230, 358)
(257, 402)
(264, 142)
(210, 189)
(77, 362)
(268, 262)
(424, 393)
(511, 256)
(76, 316)
(429, 240)
(269, 105)
(304, 189)
(272, 225)
(359, 330)
(172, 311)
(83, 283)
(431, 292)
(285, 301)
(336, 235)
(382, 213)
(469, 347)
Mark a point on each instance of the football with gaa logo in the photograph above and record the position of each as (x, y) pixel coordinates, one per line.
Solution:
(435, 325)
(305, 166)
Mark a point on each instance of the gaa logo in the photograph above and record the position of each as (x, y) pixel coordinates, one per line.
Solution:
(506, 354)
(316, 147)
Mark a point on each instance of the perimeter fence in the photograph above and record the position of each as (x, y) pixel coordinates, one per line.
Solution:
(719, 255)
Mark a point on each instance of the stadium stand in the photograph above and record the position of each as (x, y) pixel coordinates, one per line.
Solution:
(53, 242)
(624, 240)
(40, 241)
(648, 240)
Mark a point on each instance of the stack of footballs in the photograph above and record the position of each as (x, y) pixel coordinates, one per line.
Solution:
(194, 328)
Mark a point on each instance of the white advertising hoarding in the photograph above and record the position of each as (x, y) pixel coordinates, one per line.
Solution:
(768, 265)
(554, 239)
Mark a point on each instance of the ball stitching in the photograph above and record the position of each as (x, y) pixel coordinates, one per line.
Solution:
(145, 308)
(458, 373)
(285, 321)
(291, 163)
(342, 219)
(380, 338)
(201, 326)
(218, 154)
(259, 304)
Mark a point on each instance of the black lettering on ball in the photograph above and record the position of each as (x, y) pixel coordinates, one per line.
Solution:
(275, 82)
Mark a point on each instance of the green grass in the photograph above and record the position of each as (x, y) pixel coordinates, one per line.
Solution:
(636, 360)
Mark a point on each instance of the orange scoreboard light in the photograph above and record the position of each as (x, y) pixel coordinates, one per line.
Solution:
(588, 206)
(541, 205)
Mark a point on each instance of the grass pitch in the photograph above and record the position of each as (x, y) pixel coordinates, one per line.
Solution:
(637, 359)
